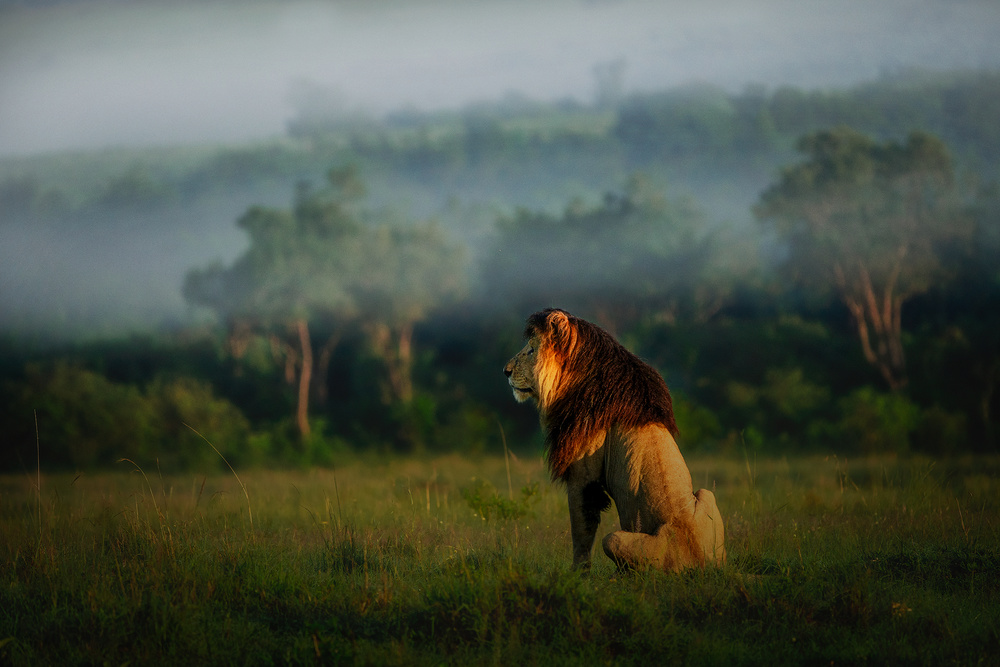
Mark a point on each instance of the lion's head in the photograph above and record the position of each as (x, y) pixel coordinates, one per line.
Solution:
(584, 382)
(538, 371)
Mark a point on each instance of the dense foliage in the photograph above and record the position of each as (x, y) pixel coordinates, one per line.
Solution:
(374, 311)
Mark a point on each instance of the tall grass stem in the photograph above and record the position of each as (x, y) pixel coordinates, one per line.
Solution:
(506, 461)
(336, 491)
(152, 495)
(38, 478)
(243, 486)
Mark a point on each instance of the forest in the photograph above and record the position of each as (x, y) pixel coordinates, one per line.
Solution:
(810, 270)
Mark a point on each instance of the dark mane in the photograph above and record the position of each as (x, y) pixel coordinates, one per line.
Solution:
(605, 385)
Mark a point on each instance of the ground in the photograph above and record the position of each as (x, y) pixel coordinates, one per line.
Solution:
(453, 560)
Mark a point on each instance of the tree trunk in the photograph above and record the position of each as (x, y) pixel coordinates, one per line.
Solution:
(305, 377)
(986, 403)
(323, 367)
(395, 348)
(405, 361)
(879, 324)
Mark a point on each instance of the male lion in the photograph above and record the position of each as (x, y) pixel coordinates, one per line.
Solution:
(611, 430)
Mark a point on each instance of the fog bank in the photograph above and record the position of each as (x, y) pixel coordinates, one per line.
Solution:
(85, 75)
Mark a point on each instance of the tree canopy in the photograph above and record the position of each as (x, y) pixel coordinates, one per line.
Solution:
(635, 253)
(321, 262)
(869, 219)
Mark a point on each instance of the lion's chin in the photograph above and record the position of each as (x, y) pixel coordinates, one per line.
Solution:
(521, 395)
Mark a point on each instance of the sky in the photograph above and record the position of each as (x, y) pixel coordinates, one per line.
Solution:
(90, 74)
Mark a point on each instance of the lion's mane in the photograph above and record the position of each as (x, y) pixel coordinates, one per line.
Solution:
(588, 382)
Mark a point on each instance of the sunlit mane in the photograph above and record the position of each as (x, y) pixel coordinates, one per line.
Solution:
(587, 382)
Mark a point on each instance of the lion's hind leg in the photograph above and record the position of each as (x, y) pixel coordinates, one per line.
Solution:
(710, 533)
(632, 551)
(640, 551)
(692, 543)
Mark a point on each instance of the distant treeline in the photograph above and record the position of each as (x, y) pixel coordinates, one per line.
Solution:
(523, 153)
(854, 310)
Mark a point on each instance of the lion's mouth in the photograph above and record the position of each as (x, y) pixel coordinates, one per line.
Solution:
(523, 390)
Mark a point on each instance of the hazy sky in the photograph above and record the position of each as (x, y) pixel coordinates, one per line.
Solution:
(93, 73)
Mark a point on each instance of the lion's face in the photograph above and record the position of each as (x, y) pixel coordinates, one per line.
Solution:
(538, 370)
(520, 371)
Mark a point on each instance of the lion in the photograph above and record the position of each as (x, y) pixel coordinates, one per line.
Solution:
(610, 437)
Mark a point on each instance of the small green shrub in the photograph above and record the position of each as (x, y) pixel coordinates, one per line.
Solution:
(697, 424)
(88, 421)
(876, 422)
(484, 501)
(84, 420)
(940, 432)
(183, 406)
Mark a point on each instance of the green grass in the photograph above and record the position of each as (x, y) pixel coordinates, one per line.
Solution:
(831, 561)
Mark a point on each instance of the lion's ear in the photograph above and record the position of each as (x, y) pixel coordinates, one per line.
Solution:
(562, 334)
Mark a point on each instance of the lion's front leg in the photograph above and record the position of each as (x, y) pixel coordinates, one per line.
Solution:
(586, 502)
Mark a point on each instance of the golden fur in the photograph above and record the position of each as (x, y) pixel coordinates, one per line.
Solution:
(610, 433)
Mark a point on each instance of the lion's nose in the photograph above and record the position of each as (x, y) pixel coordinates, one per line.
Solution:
(507, 370)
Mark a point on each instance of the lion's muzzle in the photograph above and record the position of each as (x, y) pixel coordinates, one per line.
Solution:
(521, 394)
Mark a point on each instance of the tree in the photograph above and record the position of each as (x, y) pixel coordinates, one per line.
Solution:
(321, 264)
(408, 270)
(692, 120)
(298, 268)
(635, 254)
(868, 218)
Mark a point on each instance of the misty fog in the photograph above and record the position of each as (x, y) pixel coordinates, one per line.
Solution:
(91, 74)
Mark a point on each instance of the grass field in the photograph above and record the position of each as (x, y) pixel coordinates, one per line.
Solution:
(455, 561)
